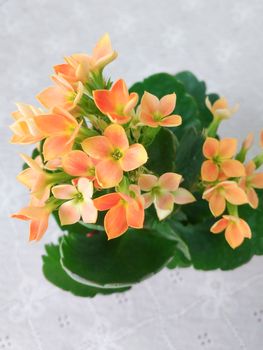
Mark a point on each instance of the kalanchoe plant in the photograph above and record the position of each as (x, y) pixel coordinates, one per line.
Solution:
(137, 179)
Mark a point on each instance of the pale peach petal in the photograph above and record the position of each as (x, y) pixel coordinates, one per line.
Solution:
(97, 147)
(52, 97)
(147, 181)
(233, 168)
(167, 104)
(162, 213)
(245, 229)
(135, 213)
(210, 147)
(252, 197)
(38, 228)
(227, 148)
(235, 195)
(221, 103)
(217, 204)
(53, 124)
(134, 157)
(172, 120)
(233, 235)
(64, 191)
(209, 171)
(107, 201)
(132, 102)
(108, 173)
(117, 137)
(165, 201)
(69, 213)
(119, 92)
(56, 146)
(183, 196)
(257, 180)
(148, 200)
(250, 168)
(149, 103)
(247, 144)
(170, 181)
(78, 163)
(147, 119)
(88, 212)
(103, 53)
(115, 221)
(103, 101)
(85, 187)
(219, 226)
(120, 119)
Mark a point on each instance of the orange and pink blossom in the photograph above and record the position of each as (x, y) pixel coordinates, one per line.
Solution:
(220, 108)
(114, 155)
(155, 112)
(117, 103)
(250, 182)
(236, 230)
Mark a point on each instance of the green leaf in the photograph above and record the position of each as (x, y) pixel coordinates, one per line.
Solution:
(162, 152)
(55, 274)
(120, 262)
(209, 251)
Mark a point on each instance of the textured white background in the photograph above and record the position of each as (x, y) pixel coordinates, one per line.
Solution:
(221, 41)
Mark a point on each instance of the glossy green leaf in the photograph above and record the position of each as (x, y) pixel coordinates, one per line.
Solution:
(54, 272)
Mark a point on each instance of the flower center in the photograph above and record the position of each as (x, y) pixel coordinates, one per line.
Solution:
(157, 117)
(117, 154)
(119, 109)
(217, 160)
(79, 197)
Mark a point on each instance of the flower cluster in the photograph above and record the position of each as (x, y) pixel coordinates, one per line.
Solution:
(91, 155)
(228, 182)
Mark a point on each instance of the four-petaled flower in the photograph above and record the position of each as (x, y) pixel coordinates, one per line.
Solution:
(114, 155)
(116, 103)
(220, 108)
(154, 112)
(224, 191)
(220, 163)
(251, 181)
(124, 211)
(79, 203)
(236, 229)
(164, 192)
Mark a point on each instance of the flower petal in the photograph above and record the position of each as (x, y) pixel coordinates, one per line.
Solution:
(234, 235)
(217, 204)
(149, 103)
(233, 168)
(165, 201)
(53, 96)
(97, 147)
(148, 200)
(219, 226)
(103, 101)
(147, 119)
(162, 213)
(170, 181)
(85, 187)
(108, 173)
(147, 182)
(88, 212)
(183, 196)
(135, 213)
(252, 198)
(78, 163)
(56, 146)
(117, 136)
(234, 194)
(227, 147)
(53, 124)
(172, 120)
(210, 147)
(167, 104)
(209, 171)
(107, 201)
(69, 213)
(115, 221)
(257, 180)
(64, 191)
(245, 229)
(134, 157)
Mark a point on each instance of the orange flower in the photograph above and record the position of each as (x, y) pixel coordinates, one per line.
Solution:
(78, 163)
(225, 191)
(251, 181)
(155, 112)
(60, 128)
(164, 192)
(63, 94)
(79, 203)
(38, 213)
(114, 155)
(261, 139)
(80, 65)
(220, 108)
(24, 128)
(116, 103)
(236, 230)
(125, 210)
(219, 163)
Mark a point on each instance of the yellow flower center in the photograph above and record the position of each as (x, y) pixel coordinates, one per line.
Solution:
(117, 154)
(119, 109)
(79, 197)
(157, 117)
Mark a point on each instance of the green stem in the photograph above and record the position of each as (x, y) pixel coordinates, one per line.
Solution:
(232, 209)
(212, 129)
(258, 160)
